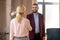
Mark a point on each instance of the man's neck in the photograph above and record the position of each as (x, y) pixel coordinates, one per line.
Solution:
(35, 13)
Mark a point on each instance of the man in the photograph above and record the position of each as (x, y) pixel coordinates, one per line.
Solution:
(37, 23)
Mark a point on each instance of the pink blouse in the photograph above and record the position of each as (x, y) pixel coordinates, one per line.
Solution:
(19, 29)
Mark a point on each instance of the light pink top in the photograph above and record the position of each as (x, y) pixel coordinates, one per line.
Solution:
(19, 29)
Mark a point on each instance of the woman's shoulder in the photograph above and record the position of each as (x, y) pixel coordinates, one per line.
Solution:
(27, 20)
(12, 20)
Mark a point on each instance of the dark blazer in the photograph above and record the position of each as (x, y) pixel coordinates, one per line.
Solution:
(41, 26)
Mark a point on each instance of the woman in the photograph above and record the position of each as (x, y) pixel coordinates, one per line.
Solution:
(19, 26)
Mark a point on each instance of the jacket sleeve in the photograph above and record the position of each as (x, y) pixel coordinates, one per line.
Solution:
(43, 26)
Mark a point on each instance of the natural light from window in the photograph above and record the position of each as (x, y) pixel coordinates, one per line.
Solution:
(51, 13)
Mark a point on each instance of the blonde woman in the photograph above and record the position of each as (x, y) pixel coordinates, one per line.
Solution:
(19, 26)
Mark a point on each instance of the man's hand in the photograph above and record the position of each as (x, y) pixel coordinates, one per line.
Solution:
(45, 38)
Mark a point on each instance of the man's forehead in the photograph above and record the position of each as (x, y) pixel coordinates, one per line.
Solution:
(34, 6)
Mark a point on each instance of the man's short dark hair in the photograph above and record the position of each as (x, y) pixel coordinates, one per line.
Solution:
(35, 4)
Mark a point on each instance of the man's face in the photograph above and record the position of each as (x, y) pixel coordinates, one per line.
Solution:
(34, 8)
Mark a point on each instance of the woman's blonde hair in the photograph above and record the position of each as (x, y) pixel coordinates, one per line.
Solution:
(21, 9)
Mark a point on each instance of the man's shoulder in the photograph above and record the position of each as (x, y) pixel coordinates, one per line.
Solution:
(30, 14)
(40, 14)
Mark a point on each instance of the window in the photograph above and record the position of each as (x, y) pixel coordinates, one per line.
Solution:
(40, 8)
(50, 8)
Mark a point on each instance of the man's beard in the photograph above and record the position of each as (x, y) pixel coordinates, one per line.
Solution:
(34, 11)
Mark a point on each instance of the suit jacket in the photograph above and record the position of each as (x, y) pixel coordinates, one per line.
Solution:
(41, 25)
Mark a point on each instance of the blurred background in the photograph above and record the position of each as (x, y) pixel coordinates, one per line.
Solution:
(49, 8)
